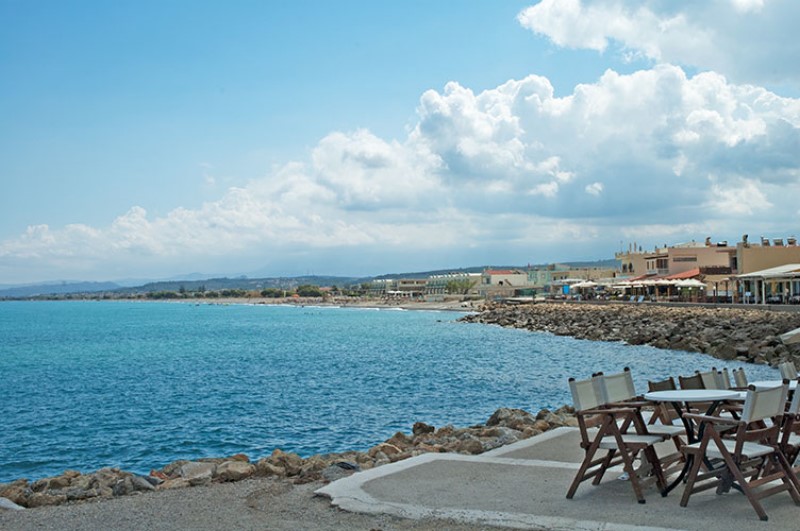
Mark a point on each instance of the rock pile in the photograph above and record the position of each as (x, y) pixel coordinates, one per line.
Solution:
(747, 335)
(505, 426)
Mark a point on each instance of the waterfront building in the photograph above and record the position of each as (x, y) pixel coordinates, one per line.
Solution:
(552, 278)
(775, 285)
(765, 254)
(714, 258)
(457, 283)
(397, 287)
(502, 283)
(719, 266)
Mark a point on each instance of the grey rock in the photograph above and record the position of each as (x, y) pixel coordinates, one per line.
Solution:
(141, 483)
(197, 473)
(9, 505)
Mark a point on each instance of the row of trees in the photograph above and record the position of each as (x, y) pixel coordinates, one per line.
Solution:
(306, 290)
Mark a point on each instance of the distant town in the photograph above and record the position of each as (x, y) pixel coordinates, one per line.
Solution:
(766, 271)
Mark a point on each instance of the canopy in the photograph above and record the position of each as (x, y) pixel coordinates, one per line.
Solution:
(790, 337)
(691, 283)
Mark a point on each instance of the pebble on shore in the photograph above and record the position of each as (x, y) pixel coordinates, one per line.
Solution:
(505, 426)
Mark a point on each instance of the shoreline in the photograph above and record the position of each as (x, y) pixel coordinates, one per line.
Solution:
(505, 426)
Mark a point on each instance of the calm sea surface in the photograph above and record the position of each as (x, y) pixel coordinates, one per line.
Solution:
(85, 385)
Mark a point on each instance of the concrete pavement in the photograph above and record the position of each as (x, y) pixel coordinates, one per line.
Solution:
(523, 486)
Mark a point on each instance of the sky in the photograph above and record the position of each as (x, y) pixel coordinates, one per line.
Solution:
(155, 139)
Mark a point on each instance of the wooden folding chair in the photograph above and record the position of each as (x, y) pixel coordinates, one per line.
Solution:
(750, 459)
(709, 379)
(691, 382)
(788, 370)
(790, 432)
(723, 379)
(614, 435)
(740, 378)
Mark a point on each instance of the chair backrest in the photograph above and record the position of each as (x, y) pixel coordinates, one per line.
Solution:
(739, 377)
(691, 382)
(764, 403)
(662, 385)
(794, 405)
(709, 379)
(616, 387)
(585, 393)
(723, 379)
(788, 370)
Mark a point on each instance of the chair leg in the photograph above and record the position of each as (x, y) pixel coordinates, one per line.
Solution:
(697, 461)
(628, 458)
(746, 490)
(738, 477)
(655, 466)
(790, 477)
(585, 465)
(604, 466)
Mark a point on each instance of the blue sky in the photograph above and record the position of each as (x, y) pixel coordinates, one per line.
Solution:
(153, 139)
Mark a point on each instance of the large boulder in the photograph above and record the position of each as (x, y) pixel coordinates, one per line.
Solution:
(235, 470)
(517, 419)
(197, 473)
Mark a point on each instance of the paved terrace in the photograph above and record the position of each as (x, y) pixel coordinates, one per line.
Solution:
(523, 486)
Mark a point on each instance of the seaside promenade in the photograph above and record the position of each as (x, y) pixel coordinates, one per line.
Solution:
(519, 486)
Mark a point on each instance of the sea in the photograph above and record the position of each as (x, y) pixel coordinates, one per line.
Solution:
(137, 385)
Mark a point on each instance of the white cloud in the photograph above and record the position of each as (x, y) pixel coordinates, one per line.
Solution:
(746, 40)
(747, 6)
(655, 153)
(594, 189)
(743, 197)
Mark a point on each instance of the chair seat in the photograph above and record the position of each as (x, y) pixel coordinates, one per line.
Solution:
(749, 449)
(665, 430)
(609, 442)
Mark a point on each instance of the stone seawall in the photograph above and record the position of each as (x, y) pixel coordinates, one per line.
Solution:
(747, 335)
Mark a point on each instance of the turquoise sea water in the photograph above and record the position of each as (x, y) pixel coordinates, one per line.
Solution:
(137, 385)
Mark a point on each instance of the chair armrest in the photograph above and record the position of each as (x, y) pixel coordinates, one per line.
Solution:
(607, 411)
(714, 420)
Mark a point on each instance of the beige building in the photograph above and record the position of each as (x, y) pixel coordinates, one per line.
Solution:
(715, 264)
(766, 254)
(710, 258)
(501, 283)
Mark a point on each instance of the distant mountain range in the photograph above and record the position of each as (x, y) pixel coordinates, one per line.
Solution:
(195, 282)
(62, 288)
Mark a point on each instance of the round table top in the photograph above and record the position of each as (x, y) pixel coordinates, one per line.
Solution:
(691, 395)
(774, 383)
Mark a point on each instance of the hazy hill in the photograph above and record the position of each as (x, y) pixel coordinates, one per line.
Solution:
(57, 289)
(195, 282)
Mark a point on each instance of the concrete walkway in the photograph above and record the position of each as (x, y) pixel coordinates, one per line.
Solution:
(523, 486)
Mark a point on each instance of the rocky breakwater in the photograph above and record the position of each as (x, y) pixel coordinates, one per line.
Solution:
(747, 335)
(505, 426)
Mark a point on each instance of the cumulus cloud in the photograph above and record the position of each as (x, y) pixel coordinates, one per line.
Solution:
(594, 189)
(656, 153)
(746, 40)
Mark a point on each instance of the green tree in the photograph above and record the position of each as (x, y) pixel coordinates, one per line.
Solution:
(307, 290)
(460, 286)
(272, 293)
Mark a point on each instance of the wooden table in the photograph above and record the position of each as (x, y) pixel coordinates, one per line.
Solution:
(680, 400)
